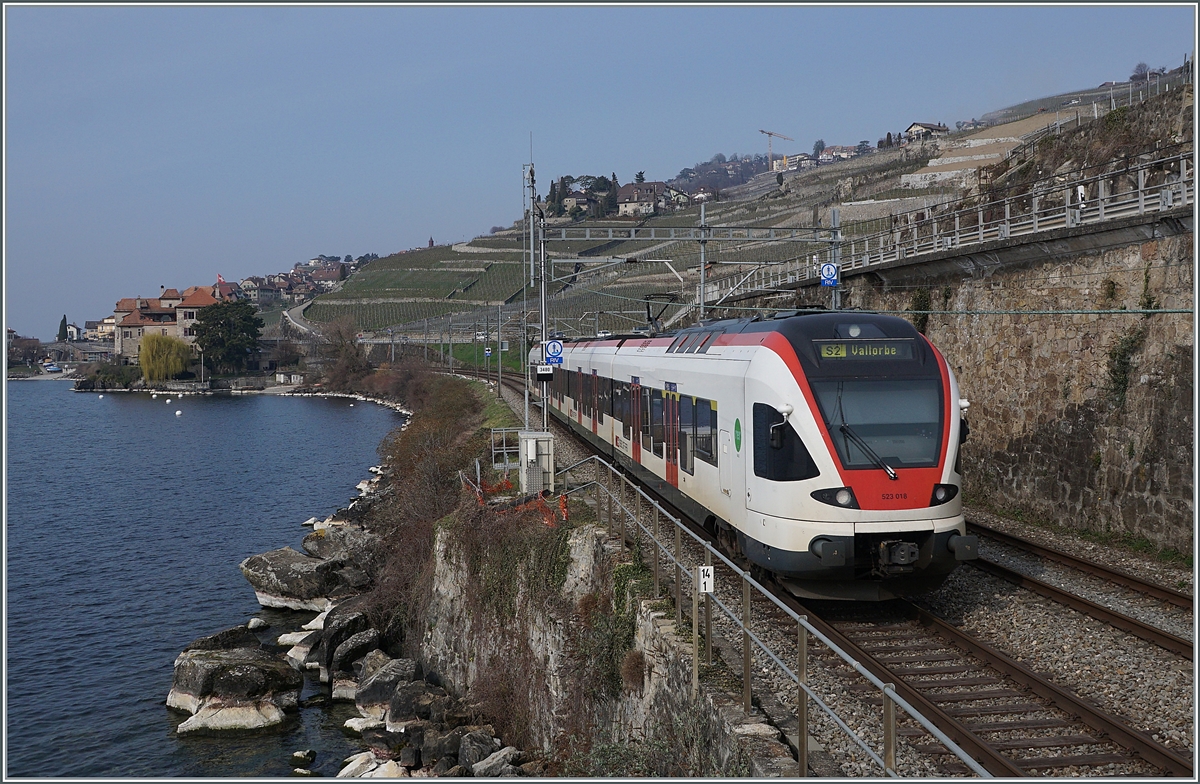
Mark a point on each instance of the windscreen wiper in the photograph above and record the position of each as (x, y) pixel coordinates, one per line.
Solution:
(867, 450)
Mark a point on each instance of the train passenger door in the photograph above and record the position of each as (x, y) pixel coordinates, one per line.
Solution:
(635, 408)
(595, 402)
(725, 462)
(671, 432)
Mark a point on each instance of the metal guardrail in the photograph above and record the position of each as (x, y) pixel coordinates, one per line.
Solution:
(1156, 185)
(609, 489)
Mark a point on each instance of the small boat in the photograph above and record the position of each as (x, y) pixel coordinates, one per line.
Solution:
(51, 368)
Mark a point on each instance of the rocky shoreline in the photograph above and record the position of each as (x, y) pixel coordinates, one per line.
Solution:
(409, 724)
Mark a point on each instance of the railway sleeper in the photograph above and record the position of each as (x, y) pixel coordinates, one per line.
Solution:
(1041, 742)
(998, 710)
(965, 696)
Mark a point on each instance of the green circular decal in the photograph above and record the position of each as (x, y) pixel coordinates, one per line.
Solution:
(737, 434)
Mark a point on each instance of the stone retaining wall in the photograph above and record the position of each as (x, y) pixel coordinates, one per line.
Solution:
(1083, 420)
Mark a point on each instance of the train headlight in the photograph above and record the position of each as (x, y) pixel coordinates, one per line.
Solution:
(837, 496)
(942, 494)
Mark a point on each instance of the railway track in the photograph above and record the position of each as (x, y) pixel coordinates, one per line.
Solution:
(1155, 590)
(1014, 721)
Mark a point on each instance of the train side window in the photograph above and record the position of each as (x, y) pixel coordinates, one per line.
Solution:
(621, 406)
(657, 430)
(686, 433)
(690, 344)
(675, 344)
(706, 425)
(779, 453)
(695, 344)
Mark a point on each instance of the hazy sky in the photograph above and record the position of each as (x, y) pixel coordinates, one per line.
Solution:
(159, 146)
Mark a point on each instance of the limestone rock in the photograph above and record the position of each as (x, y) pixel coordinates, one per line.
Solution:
(389, 770)
(442, 747)
(359, 765)
(236, 637)
(287, 578)
(475, 747)
(298, 654)
(457, 772)
(376, 690)
(371, 663)
(352, 648)
(291, 638)
(304, 772)
(239, 688)
(412, 701)
(344, 687)
(317, 623)
(497, 763)
(392, 742)
(256, 623)
(348, 544)
(359, 725)
(302, 759)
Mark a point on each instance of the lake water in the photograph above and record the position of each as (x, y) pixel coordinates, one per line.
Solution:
(125, 527)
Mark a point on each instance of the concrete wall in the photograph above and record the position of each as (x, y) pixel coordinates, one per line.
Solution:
(1052, 435)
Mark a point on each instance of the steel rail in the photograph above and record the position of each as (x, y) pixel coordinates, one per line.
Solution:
(1117, 731)
(1113, 618)
(987, 755)
(1176, 598)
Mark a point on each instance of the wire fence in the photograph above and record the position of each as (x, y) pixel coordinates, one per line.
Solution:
(639, 521)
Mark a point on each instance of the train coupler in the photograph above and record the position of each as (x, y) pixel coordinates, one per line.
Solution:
(897, 557)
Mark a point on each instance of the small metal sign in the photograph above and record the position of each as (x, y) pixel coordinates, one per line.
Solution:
(487, 352)
(706, 579)
(829, 274)
(554, 348)
(545, 370)
(553, 360)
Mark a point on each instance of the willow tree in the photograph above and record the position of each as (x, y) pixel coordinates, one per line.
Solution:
(163, 357)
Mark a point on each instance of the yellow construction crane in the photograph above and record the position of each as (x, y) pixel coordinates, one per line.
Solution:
(769, 135)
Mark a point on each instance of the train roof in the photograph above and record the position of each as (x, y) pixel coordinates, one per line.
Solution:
(794, 324)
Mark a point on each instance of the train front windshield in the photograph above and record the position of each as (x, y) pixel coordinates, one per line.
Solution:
(900, 420)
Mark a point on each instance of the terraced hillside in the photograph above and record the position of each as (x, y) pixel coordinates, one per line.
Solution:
(459, 288)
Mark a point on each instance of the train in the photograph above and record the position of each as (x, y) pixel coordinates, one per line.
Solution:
(822, 446)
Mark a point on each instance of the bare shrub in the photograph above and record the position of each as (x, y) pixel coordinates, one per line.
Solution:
(633, 671)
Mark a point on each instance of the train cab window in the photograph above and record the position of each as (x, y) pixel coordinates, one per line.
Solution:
(657, 430)
(706, 425)
(779, 453)
(899, 420)
(687, 435)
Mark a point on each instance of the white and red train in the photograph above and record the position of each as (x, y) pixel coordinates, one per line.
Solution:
(824, 446)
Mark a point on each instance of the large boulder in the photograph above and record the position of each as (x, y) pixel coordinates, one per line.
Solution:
(287, 578)
(297, 655)
(352, 648)
(375, 691)
(236, 688)
(498, 763)
(342, 623)
(348, 544)
(236, 637)
(442, 747)
(413, 700)
(402, 741)
(476, 746)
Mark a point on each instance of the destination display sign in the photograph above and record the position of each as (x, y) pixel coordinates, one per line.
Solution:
(899, 348)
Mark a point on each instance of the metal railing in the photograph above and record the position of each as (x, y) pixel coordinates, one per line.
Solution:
(610, 489)
(1142, 186)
